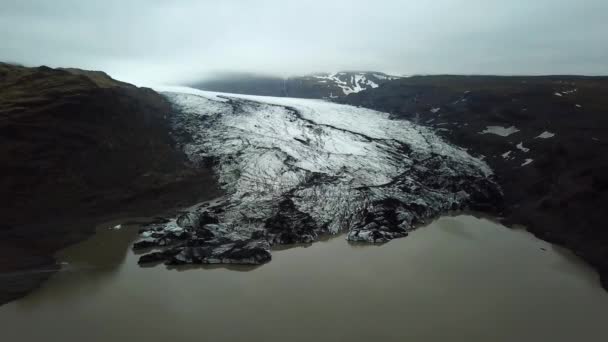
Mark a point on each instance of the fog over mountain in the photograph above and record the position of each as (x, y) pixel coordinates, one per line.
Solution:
(153, 41)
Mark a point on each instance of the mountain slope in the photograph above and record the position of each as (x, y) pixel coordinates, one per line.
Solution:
(318, 86)
(77, 146)
(545, 137)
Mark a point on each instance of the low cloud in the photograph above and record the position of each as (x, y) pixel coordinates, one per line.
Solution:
(155, 41)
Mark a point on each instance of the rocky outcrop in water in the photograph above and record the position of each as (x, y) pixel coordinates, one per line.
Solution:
(294, 170)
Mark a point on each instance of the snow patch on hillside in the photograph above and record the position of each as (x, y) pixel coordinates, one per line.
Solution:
(501, 131)
(353, 82)
(545, 135)
(521, 147)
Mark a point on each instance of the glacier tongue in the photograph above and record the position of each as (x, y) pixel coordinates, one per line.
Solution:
(293, 169)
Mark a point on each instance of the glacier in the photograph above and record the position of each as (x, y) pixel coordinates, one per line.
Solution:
(293, 170)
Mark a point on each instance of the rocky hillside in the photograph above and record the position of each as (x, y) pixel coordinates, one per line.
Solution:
(75, 147)
(545, 137)
(318, 86)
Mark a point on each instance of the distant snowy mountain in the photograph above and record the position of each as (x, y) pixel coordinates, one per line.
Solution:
(349, 82)
(323, 85)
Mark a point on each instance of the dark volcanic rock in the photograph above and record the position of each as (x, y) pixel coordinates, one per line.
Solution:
(240, 252)
(206, 243)
(291, 226)
(195, 220)
(156, 257)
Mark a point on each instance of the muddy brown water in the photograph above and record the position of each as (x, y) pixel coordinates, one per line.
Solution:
(460, 279)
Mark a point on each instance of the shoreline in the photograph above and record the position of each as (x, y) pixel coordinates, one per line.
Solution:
(18, 272)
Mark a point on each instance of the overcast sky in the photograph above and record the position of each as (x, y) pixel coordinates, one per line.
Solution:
(156, 41)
